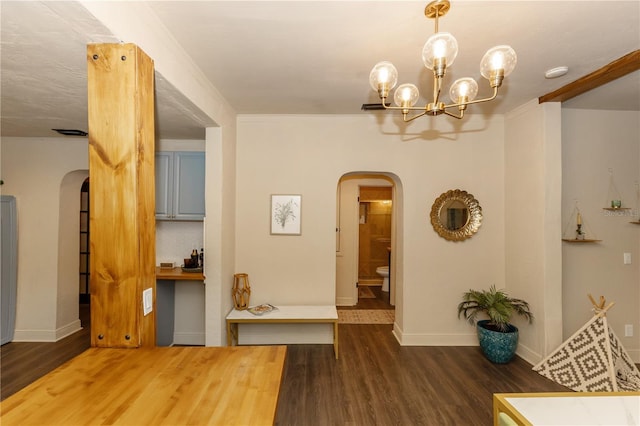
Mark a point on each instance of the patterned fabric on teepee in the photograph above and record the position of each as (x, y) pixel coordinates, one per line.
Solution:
(592, 360)
(627, 374)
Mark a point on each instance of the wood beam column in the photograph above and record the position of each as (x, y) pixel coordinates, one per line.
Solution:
(122, 203)
(616, 69)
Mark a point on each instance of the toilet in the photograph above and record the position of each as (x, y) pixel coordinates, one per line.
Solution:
(383, 271)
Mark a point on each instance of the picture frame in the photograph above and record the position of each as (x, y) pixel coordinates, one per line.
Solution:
(286, 214)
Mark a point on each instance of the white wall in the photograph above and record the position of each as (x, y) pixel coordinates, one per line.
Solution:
(33, 170)
(220, 228)
(308, 154)
(532, 223)
(595, 142)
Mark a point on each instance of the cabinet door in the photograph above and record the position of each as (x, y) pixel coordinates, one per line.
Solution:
(164, 185)
(188, 178)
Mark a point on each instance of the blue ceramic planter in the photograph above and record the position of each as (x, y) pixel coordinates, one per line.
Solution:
(498, 347)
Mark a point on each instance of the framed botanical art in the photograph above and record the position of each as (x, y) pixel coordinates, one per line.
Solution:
(285, 214)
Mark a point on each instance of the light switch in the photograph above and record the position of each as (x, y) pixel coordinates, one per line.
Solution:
(627, 258)
(147, 301)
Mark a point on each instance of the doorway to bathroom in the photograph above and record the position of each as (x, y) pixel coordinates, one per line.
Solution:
(365, 236)
(374, 238)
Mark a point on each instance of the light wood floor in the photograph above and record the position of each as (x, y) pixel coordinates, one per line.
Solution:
(375, 382)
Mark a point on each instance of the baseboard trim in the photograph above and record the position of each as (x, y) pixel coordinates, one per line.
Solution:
(345, 301)
(410, 339)
(47, 335)
(188, 339)
(528, 355)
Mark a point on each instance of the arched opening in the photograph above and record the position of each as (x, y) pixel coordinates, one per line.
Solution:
(351, 217)
(84, 253)
(67, 306)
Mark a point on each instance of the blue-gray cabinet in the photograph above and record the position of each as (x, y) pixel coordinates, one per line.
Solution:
(180, 185)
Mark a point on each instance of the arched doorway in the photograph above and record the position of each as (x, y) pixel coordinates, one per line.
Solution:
(84, 244)
(67, 305)
(348, 217)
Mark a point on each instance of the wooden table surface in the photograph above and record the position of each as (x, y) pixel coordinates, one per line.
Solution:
(170, 386)
(177, 274)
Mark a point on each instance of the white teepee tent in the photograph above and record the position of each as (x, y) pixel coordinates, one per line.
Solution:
(593, 359)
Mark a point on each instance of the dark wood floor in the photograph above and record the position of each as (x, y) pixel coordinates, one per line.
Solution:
(381, 300)
(375, 382)
(24, 362)
(378, 382)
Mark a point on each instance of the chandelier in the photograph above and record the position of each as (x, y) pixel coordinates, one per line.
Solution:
(438, 53)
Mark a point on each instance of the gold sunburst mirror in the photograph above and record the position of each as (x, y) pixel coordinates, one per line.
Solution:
(456, 215)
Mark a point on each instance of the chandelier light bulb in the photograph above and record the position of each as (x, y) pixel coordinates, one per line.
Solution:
(383, 78)
(498, 58)
(406, 95)
(439, 49)
(439, 46)
(497, 61)
(463, 90)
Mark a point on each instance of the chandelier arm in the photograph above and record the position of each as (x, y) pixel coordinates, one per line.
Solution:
(400, 108)
(455, 116)
(404, 116)
(405, 111)
(477, 101)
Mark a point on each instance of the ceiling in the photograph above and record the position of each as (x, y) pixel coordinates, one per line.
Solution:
(311, 57)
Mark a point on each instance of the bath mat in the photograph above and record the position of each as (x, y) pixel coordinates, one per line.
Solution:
(365, 292)
(366, 316)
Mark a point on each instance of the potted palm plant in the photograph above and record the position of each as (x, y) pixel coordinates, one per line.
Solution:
(497, 336)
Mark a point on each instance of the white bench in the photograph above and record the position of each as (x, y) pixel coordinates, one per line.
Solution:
(285, 314)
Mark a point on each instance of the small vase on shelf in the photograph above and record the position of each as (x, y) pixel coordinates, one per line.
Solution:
(579, 233)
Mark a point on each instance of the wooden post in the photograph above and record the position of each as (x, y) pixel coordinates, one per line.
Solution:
(122, 204)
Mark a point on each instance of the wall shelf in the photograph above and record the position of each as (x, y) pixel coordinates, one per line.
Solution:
(581, 229)
(636, 222)
(616, 208)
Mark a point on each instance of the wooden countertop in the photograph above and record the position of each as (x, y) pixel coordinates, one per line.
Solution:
(158, 386)
(177, 274)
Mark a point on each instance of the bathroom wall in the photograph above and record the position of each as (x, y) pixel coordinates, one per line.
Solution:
(375, 239)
